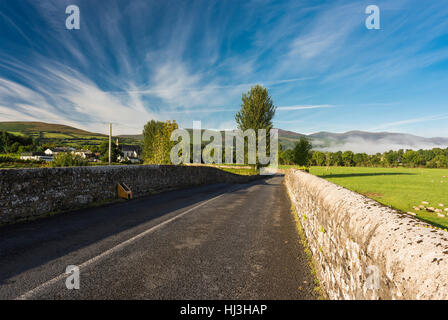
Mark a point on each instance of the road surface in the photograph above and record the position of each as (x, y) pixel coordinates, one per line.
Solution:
(211, 242)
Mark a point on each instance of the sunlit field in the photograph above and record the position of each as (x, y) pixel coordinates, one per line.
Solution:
(405, 189)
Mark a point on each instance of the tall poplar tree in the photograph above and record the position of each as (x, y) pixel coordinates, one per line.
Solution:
(257, 112)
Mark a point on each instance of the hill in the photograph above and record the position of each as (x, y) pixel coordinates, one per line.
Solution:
(373, 142)
(356, 141)
(31, 128)
(58, 134)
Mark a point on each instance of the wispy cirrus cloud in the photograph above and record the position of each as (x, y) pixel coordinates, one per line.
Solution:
(397, 124)
(65, 96)
(141, 60)
(304, 107)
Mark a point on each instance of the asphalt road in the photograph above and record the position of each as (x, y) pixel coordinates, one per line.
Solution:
(211, 242)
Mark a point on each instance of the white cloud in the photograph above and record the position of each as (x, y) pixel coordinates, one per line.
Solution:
(360, 145)
(304, 107)
(191, 65)
(399, 123)
(75, 100)
(287, 121)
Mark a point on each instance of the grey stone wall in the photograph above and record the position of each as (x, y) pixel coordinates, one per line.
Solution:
(26, 193)
(364, 250)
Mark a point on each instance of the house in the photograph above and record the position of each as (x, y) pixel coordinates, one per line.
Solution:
(131, 153)
(36, 156)
(85, 154)
(54, 151)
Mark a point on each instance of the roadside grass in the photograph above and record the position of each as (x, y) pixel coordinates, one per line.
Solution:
(30, 164)
(241, 171)
(20, 164)
(309, 256)
(11, 161)
(284, 167)
(17, 165)
(232, 165)
(404, 189)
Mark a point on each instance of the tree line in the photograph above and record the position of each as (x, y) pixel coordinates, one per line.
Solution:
(257, 111)
(10, 143)
(302, 154)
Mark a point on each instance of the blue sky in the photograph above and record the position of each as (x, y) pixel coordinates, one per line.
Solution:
(133, 61)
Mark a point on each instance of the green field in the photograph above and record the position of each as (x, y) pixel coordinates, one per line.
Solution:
(401, 188)
(60, 135)
(241, 171)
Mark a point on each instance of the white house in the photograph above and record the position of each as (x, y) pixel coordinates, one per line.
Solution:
(55, 151)
(130, 153)
(36, 156)
(85, 154)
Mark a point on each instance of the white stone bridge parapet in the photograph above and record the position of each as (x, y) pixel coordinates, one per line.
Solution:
(364, 250)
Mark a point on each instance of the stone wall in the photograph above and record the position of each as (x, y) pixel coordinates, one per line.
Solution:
(26, 193)
(364, 250)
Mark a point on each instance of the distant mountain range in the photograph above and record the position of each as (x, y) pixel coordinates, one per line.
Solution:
(361, 141)
(356, 141)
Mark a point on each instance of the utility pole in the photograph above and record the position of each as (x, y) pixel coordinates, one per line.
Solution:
(110, 143)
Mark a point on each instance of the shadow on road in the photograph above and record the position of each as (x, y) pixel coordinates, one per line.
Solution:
(28, 245)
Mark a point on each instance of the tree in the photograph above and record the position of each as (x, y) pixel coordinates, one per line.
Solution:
(104, 151)
(439, 161)
(151, 129)
(162, 144)
(360, 159)
(328, 159)
(257, 112)
(375, 160)
(302, 152)
(286, 156)
(10, 143)
(435, 158)
(318, 158)
(391, 158)
(336, 158)
(347, 158)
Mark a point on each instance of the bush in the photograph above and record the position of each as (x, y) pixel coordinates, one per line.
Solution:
(10, 143)
(6, 159)
(68, 160)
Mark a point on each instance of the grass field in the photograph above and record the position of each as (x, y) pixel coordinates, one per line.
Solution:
(245, 170)
(60, 135)
(401, 188)
(15, 165)
(241, 171)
